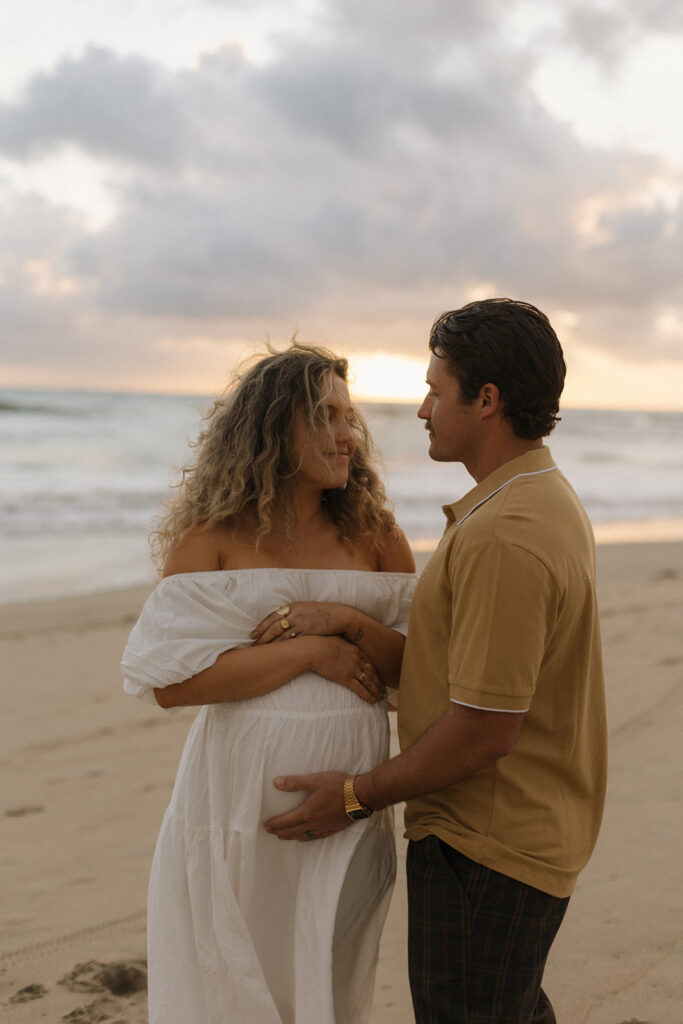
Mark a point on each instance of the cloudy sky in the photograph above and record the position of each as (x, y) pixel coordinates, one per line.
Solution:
(182, 180)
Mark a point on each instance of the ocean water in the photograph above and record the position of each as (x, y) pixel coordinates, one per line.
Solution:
(81, 474)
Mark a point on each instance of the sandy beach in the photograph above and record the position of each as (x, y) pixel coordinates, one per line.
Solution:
(87, 773)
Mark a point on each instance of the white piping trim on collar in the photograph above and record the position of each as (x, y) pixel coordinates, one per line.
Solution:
(536, 472)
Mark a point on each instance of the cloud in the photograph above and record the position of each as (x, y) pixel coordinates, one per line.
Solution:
(112, 106)
(358, 182)
(606, 30)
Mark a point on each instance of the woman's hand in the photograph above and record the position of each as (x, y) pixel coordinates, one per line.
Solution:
(343, 663)
(303, 618)
(381, 644)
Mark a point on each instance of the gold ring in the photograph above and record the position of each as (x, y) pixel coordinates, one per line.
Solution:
(285, 610)
(361, 677)
(284, 624)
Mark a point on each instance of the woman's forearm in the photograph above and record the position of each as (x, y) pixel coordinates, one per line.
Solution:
(241, 673)
(251, 671)
(383, 646)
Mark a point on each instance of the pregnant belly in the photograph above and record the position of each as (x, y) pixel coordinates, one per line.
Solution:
(235, 751)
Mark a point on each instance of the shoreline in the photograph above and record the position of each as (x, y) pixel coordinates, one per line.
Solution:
(24, 575)
(88, 773)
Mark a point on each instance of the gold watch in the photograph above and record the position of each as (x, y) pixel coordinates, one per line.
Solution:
(352, 805)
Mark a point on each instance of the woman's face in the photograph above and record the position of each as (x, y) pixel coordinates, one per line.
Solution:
(323, 457)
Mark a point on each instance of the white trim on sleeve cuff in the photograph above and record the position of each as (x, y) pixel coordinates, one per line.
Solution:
(478, 707)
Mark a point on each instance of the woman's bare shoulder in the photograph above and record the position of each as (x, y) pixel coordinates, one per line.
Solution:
(395, 554)
(199, 550)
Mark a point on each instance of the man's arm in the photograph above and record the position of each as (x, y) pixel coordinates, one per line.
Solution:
(455, 746)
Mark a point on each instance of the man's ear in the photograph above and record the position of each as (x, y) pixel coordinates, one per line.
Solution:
(489, 399)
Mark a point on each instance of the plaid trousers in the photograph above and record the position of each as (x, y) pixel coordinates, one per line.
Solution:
(477, 940)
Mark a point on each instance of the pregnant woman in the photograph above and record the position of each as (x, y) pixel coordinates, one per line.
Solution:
(282, 614)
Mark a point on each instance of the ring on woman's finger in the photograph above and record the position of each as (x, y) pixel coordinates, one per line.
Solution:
(284, 624)
(310, 834)
(361, 677)
(292, 634)
(285, 610)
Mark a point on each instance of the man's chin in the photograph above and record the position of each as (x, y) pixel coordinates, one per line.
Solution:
(436, 456)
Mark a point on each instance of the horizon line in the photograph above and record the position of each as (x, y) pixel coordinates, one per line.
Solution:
(360, 399)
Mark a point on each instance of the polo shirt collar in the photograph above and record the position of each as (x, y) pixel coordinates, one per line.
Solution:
(532, 463)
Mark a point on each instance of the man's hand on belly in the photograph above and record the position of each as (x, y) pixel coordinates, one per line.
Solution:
(320, 815)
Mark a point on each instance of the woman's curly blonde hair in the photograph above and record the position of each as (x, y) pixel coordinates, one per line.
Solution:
(244, 463)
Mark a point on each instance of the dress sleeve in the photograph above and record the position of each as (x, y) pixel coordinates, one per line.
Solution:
(184, 626)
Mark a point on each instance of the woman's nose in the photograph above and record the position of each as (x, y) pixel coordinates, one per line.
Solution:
(345, 433)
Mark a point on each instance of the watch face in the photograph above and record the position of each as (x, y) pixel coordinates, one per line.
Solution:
(357, 815)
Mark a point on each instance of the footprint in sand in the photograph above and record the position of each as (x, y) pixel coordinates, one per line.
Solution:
(24, 995)
(664, 574)
(21, 812)
(98, 1012)
(119, 978)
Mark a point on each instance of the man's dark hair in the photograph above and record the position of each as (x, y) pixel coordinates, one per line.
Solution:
(512, 345)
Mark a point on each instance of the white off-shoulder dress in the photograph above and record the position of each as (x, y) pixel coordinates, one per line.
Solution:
(244, 928)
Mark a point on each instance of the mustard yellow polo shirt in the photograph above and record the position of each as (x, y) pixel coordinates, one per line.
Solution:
(505, 617)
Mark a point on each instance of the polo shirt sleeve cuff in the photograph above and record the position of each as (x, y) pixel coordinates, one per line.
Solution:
(488, 701)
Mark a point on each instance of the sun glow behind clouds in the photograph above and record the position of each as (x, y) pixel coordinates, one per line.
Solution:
(594, 380)
(382, 377)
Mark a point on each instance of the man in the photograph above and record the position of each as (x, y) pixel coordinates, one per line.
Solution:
(501, 716)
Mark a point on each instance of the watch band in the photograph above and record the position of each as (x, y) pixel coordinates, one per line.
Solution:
(354, 809)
